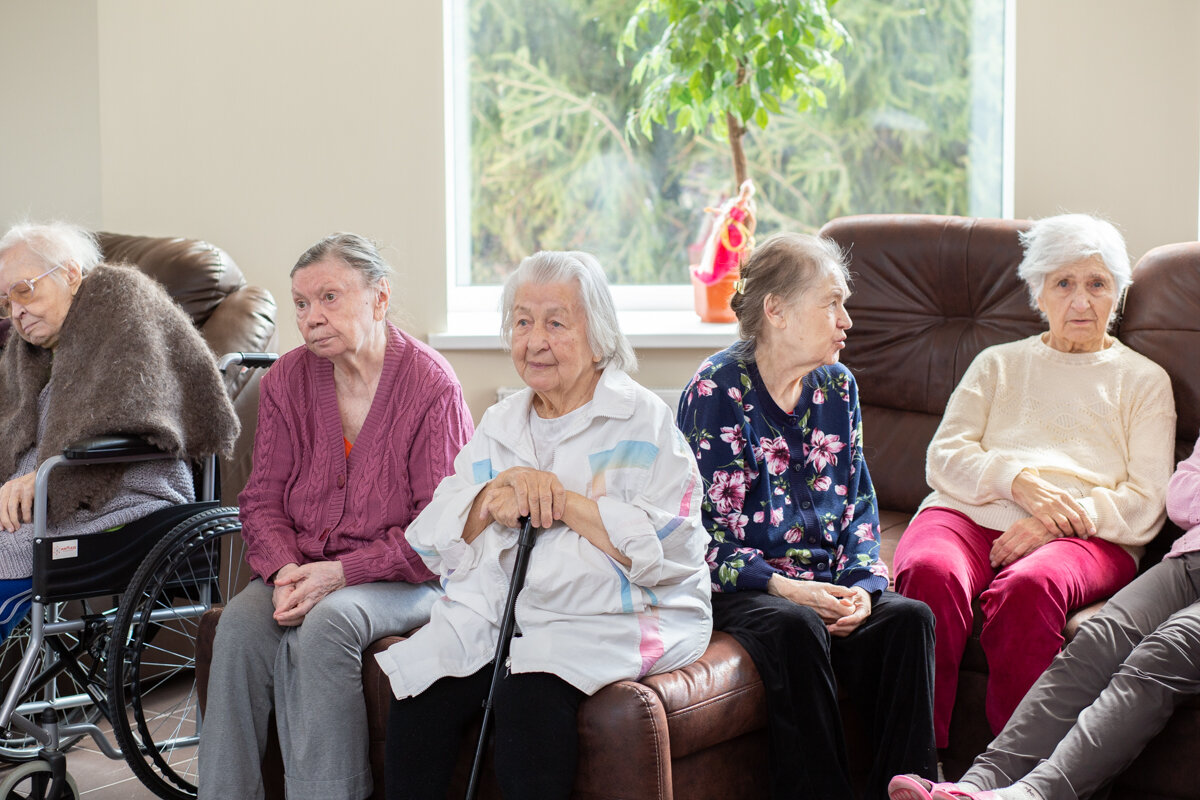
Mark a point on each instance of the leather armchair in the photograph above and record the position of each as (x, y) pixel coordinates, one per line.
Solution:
(231, 316)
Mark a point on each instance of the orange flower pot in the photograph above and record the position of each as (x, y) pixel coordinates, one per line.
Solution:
(712, 300)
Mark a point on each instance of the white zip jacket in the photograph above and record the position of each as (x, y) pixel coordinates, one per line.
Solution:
(582, 616)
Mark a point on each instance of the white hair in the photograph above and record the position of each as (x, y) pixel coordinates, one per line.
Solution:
(1054, 242)
(55, 243)
(556, 266)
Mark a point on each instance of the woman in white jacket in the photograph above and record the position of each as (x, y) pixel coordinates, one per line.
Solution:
(617, 588)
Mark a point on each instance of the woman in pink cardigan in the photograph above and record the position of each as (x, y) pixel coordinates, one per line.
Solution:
(355, 431)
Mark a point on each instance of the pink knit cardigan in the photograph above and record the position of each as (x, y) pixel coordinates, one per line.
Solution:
(306, 501)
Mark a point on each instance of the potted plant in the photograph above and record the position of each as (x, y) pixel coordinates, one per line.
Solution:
(717, 66)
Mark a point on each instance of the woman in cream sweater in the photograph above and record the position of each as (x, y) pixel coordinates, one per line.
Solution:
(1048, 473)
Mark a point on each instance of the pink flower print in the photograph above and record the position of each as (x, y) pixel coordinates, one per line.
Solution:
(847, 515)
(794, 535)
(733, 435)
(778, 490)
(704, 445)
(735, 393)
(758, 516)
(864, 532)
(736, 523)
(823, 449)
(711, 558)
(840, 490)
(806, 575)
(822, 483)
(818, 396)
(728, 491)
(879, 568)
(782, 563)
(705, 387)
(776, 516)
(841, 562)
(777, 454)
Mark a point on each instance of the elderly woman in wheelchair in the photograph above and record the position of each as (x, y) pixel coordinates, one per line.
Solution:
(107, 395)
(98, 350)
(356, 429)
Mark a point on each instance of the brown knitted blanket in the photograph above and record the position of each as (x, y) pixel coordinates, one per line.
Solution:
(128, 361)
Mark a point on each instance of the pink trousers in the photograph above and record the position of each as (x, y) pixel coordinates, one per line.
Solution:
(942, 560)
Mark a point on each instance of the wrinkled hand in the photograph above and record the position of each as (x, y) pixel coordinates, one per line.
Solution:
(830, 601)
(299, 588)
(521, 491)
(16, 501)
(849, 623)
(1055, 508)
(1022, 538)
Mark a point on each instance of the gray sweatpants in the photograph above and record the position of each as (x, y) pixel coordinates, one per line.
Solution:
(311, 676)
(1108, 693)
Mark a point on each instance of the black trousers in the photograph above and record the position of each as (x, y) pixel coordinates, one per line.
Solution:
(886, 665)
(536, 735)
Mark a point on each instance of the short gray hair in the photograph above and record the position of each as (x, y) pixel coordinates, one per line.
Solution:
(786, 265)
(1054, 242)
(54, 243)
(562, 266)
(357, 252)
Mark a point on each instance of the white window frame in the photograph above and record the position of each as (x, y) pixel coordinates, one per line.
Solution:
(652, 315)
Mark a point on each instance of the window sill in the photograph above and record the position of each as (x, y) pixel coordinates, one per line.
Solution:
(645, 330)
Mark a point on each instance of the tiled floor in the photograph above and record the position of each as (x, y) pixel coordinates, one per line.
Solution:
(99, 777)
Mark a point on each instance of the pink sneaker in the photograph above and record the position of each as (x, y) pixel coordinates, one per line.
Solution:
(913, 787)
(951, 791)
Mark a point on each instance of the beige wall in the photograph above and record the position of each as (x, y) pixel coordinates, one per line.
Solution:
(49, 126)
(262, 126)
(1108, 114)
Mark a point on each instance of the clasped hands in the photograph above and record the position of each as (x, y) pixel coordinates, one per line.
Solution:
(841, 608)
(300, 587)
(522, 491)
(1053, 513)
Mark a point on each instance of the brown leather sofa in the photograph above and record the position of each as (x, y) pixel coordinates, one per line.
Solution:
(930, 293)
(231, 316)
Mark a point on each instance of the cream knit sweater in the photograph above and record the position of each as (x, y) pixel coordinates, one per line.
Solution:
(1100, 425)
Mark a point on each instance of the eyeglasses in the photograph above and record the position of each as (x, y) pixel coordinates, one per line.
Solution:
(22, 292)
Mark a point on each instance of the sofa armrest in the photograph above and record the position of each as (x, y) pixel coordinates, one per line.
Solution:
(715, 699)
(204, 651)
(624, 747)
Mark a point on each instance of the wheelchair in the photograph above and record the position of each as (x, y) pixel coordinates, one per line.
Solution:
(111, 633)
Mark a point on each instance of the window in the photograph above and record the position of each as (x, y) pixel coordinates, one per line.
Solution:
(539, 157)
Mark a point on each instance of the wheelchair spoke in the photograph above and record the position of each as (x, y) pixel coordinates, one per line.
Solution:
(152, 656)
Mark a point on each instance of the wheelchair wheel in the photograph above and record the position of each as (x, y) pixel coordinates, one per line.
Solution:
(31, 782)
(74, 689)
(151, 659)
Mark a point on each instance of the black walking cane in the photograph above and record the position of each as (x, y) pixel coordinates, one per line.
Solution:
(507, 623)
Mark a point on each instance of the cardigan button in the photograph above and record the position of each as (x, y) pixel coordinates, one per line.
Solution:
(341, 481)
(806, 504)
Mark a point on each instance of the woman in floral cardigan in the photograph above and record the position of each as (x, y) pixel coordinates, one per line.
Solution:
(774, 423)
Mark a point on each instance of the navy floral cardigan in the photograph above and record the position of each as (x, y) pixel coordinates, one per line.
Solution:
(784, 492)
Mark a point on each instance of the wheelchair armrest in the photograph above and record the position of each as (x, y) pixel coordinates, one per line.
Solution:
(246, 360)
(110, 447)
